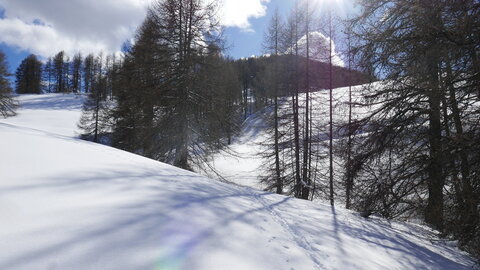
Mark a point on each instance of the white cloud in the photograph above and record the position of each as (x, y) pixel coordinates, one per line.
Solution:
(48, 26)
(44, 40)
(237, 13)
(73, 25)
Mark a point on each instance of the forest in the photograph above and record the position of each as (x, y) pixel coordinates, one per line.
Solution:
(173, 95)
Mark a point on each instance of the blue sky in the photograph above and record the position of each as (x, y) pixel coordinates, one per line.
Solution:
(14, 56)
(44, 27)
(247, 43)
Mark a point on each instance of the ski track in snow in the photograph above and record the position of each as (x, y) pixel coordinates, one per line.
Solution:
(295, 235)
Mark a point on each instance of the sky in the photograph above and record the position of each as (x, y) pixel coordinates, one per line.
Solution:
(45, 27)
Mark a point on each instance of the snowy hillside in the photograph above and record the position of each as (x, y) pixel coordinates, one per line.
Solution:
(71, 204)
(244, 165)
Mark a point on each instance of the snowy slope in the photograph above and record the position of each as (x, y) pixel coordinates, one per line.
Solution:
(53, 113)
(71, 204)
(243, 164)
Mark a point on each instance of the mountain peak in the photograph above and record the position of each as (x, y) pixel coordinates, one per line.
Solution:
(319, 48)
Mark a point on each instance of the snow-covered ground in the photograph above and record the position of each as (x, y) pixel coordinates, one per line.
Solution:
(71, 204)
(54, 113)
(243, 163)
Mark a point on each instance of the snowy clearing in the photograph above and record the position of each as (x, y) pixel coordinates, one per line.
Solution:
(71, 204)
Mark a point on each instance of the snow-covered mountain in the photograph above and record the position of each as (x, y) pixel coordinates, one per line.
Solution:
(71, 204)
(319, 48)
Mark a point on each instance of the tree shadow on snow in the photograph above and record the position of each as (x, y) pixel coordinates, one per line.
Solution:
(177, 213)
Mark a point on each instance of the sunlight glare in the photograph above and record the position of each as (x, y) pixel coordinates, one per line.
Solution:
(338, 7)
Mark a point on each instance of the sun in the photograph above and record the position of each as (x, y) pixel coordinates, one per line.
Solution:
(338, 7)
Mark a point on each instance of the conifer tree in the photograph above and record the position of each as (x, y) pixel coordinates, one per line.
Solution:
(7, 102)
(95, 119)
(272, 38)
(76, 73)
(29, 76)
(59, 64)
(417, 47)
(88, 73)
(48, 76)
(164, 100)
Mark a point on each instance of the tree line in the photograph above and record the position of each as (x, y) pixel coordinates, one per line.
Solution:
(60, 74)
(172, 96)
(178, 99)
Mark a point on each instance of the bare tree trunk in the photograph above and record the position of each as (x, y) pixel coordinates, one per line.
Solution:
(277, 157)
(298, 183)
(469, 211)
(306, 140)
(434, 210)
(349, 182)
(331, 109)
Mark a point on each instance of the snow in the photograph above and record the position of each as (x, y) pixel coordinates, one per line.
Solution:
(243, 164)
(319, 48)
(71, 204)
(53, 113)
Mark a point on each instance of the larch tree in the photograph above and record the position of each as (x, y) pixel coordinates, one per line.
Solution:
(426, 54)
(408, 109)
(76, 73)
(272, 46)
(95, 119)
(48, 76)
(166, 107)
(7, 102)
(330, 101)
(60, 73)
(28, 76)
(88, 71)
(291, 46)
(307, 140)
(349, 179)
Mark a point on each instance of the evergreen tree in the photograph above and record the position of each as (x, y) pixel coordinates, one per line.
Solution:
(88, 73)
(48, 76)
(95, 119)
(229, 107)
(29, 76)
(76, 75)
(290, 45)
(426, 51)
(330, 81)
(164, 107)
(60, 73)
(349, 179)
(96, 113)
(142, 85)
(7, 102)
(274, 177)
(67, 74)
